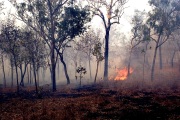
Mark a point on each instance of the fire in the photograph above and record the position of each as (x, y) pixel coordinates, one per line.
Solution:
(122, 74)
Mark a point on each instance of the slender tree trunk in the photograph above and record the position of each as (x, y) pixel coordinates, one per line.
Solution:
(53, 66)
(65, 69)
(153, 64)
(28, 75)
(4, 74)
(145, 61)
(21, 71)
(52, 48)
(96, 71)
(129, 63)
(160, 58)
(154, 58)
(12, 75)
(35, 78)
(144, 64)
(80, 78)
(179, 65)
(23, 74)
(17, 79)
(106, 54)
(37, 71)
(58, 69)
(43, 74)
(90, 67)
(75, 70)
(172, 59)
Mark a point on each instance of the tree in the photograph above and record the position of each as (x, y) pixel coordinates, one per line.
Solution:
(36, 52)
(85, 44)
(72, 25)
(10, 44)
(23, 59)
(174, 45)
(139, 33)
(42, 17)
(115, 10)
(54, 21)
(3, 68)
(99, 57)
(162, 21)
(12, 69)
(81, 70)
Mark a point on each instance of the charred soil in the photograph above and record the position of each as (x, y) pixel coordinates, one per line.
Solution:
(100, 101)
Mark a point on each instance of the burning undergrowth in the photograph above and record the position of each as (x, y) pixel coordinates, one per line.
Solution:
(121, 74)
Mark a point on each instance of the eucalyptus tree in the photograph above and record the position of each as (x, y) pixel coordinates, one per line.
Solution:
(23, 60)
(174, 46)
(99, 57)
(42, 16)
(3, 67)
(139, 33)
(10, 44)
(162, 21)
(36, 52)
(73, 24)
(86, 43)
(11, 61)
(54, 21)
(114, 10)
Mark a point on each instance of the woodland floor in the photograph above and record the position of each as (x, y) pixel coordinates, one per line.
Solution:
(101, 101)
(116, 100)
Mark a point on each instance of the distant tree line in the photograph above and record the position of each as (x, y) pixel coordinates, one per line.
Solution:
(52, 26)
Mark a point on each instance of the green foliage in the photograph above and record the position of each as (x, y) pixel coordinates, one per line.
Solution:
(164, 17)
(73, 23)
(10, 39)
(68, 21)
(23, 45)
(81, 70)
(97, 52)
(35, 48)
(48, 19)
(146, 33)
(140, 30)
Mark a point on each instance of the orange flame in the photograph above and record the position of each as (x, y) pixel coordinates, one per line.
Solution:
(122, 74)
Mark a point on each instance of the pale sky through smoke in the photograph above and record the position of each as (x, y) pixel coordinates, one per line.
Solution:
(125, 20)
(128, 14)
(132, 5)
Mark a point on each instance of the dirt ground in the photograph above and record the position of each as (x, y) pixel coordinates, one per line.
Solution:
(131, 99)
(102, 101)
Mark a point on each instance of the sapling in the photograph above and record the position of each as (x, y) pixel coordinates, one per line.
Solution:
(81, 71)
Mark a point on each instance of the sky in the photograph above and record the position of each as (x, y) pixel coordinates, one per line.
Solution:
(124, 22)
(132, 5)
(128, 14)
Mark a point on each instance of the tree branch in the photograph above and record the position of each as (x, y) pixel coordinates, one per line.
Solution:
(58, 7)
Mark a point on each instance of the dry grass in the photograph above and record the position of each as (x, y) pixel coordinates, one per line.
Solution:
(124, 100)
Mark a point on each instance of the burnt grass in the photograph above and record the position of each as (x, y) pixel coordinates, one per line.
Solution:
(91, 102)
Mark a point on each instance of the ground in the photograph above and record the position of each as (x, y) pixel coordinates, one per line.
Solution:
(131, 99)
(101, 101)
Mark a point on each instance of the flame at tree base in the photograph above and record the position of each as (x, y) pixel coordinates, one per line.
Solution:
(122, 74)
